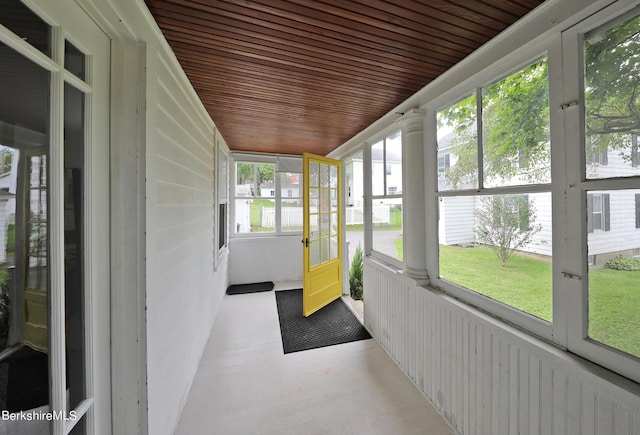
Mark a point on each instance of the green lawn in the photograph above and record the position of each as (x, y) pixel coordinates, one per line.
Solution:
(255, 214)
(525, 283)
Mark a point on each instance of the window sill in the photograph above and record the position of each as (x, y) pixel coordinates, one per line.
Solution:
(398, 272)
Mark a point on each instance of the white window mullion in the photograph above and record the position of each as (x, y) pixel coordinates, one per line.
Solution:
(367, 188)
(559, 160)
(480, 139)
(277, 185)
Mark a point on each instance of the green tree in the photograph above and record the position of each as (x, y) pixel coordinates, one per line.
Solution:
(504, 224)
(256, 174)
(515, 111)
(515, 117)
(355, 275)
(612, 83)
(6, 159)
(244, 172)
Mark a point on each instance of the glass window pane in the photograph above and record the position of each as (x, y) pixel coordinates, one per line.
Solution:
(333, 177)
(393, 164)
(499, 246)
(314, 200)
(74, 60)
(325, 202)
(324, 175)
(27, 25)
(314, 174)
(458, 146)
(255, 215)
(333, 248)
(314, 253)
(290, 185)
(515, 113)
(291, 215)
(324, 250)
(387, 227)
(222, 225)
(314, 226)
(81, 427)
(255, 180)
(377, 169)
(24, 233)
(613, 241)
(334, 224)
(245, 176)
(611, 57)
(73, 243)
(325, 223)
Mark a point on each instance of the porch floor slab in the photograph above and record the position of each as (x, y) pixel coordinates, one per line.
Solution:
(245, 384)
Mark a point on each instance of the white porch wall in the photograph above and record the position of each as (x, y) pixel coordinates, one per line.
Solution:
(258, 259)
(183, 289)
(183, 292)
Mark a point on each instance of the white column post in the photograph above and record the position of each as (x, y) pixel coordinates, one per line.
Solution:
(413, 205)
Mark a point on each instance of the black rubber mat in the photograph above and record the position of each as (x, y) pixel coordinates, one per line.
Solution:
(333, 324)
(240, 289)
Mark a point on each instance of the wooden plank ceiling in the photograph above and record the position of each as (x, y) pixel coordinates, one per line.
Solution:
(306, 75)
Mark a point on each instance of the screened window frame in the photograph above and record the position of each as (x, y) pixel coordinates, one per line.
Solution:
(569, 187)
(578, 186)
(501, 310)
(369, 197)
(277, 198)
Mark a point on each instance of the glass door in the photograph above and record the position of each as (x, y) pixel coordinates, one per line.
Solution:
(54, 339)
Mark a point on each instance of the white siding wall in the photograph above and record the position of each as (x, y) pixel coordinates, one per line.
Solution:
(623, 234)
(457, 220)
(541, 241)
(258, 259)
(183, 292)
(487, 378)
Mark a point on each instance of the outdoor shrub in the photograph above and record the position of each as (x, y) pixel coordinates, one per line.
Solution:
(355, 275)
(504, 224)
(620, 262)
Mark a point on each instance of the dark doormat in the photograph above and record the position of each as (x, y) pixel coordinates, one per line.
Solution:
(240, 289)
(333, 324)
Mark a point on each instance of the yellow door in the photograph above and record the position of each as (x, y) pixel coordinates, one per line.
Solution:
(322, 239)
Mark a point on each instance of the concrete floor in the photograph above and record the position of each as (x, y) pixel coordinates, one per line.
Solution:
(247, 385)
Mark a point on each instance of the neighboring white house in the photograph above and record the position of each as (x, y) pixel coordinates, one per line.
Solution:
(610, 213)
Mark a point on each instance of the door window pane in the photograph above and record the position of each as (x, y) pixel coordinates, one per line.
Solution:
(74, 244)
(74, 60)
(24, 238)
(23, 22)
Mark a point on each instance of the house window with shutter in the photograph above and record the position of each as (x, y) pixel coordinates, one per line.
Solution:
(637, 210)
(598, 212)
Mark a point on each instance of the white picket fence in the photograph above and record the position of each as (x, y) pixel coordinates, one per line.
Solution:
(292, 216)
